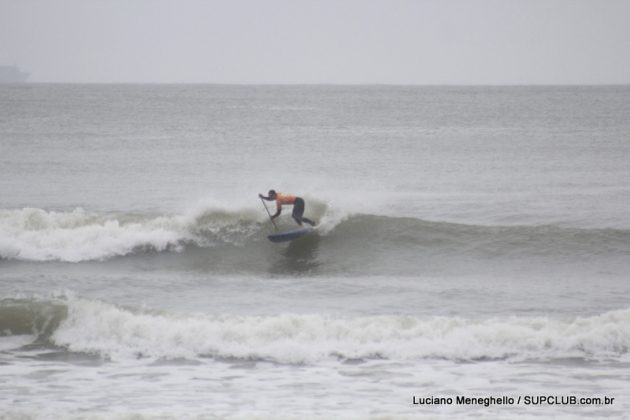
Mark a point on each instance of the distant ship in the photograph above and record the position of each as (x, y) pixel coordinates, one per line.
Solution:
(12, 74)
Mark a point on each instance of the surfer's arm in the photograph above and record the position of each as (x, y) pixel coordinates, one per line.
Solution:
(278, 211)
(266, 198)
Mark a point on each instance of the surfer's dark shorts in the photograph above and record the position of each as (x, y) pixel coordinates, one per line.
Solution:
(298, 208)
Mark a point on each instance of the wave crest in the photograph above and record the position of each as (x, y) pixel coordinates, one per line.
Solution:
(75, 236)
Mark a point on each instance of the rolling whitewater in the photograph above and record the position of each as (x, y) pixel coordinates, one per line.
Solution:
(470, 242)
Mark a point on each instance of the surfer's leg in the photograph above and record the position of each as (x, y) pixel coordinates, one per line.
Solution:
(298, 210)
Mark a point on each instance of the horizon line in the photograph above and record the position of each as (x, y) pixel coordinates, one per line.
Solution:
(316, 84)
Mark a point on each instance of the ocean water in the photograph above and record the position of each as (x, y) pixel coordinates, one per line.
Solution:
(473, 242)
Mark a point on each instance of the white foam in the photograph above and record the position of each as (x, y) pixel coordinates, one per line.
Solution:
(121, 333)
(77, 235)
(35, 234)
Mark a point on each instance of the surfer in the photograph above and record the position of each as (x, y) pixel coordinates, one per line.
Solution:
(287, 199)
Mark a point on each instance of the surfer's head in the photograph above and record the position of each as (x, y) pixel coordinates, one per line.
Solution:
(272, 193)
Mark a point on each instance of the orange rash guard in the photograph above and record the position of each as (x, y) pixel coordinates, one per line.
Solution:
(284, 199)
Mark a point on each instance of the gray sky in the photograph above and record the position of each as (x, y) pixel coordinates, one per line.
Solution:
(319, 41)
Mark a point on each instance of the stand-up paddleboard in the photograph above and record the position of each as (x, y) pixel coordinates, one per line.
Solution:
(290, 235)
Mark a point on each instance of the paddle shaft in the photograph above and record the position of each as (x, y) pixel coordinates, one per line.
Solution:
(274, 223)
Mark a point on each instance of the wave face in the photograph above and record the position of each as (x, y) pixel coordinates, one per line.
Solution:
(237, 238)
(114, 332)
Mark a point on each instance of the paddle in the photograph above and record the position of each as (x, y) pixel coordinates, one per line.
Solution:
(274, 223)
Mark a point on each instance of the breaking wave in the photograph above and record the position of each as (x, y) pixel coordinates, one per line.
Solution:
(32, 234)
(37, 235)
(115, 332)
